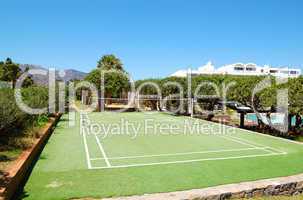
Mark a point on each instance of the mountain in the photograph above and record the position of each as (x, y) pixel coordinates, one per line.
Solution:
(70, 74)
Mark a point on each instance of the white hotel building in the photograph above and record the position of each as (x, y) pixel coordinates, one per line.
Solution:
(242, 69)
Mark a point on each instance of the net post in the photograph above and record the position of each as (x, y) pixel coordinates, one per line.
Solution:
(189, 95)
(160, 103)
(192, 108)
(100, 102)
(137, 101)
(84, 97)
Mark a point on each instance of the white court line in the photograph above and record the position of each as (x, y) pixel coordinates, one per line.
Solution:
(244, 142)
(260, 145)
(257, 133)
(247, 142)
(100, 146)
(187, 161)
(85, 145)
(178, 154)
(102, 151)
(235, 139)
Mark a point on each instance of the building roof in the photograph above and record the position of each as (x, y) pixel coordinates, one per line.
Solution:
(243, 69)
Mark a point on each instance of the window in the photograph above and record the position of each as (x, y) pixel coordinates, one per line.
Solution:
(293, 72)
(239, 68)
(250, 69)
(272, 71)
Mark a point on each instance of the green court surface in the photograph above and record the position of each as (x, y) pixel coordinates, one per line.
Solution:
(117, 154)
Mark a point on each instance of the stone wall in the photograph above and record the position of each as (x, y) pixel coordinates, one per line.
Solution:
(291, 185)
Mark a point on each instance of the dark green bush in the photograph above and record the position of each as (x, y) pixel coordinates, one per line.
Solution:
(9, 112)
(20, 142)
(13, 119)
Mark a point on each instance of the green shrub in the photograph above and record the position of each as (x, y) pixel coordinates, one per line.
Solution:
(17, 128)
(32, 132)
(9, 112)
(21, 142)
(42, 120)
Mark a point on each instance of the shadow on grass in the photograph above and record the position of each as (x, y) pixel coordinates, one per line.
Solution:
(43, 157)
(21, 193)
(63, 120)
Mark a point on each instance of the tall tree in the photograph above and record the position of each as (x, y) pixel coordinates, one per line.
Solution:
(1, 69)
(110, 62)
(115, 78)
(114, 81)
(10, 71)
(28, 80)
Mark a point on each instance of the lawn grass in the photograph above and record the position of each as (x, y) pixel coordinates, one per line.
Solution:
(62, 172)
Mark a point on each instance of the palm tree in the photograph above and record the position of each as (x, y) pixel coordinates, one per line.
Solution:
(110, 62)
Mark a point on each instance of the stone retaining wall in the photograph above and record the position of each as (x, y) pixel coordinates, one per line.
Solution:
(291, 185)
(19, 170)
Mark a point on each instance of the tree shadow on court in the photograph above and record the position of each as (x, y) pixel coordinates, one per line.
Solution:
(22, 195)
(43, 157)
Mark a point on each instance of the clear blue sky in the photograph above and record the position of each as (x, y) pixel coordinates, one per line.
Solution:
(152, 38)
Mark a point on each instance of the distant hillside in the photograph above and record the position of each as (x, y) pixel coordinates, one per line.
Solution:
(70, 74)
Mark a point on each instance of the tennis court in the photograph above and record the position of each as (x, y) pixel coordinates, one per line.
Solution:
(159, 138)
(115, 154)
